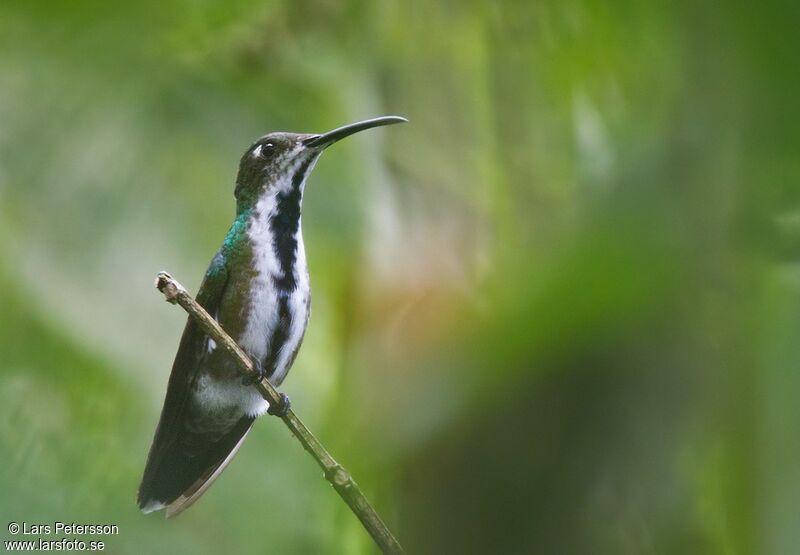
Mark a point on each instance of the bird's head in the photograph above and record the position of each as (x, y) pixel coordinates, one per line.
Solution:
(280, 162)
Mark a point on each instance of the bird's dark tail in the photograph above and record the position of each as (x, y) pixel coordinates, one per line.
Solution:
(181, 467)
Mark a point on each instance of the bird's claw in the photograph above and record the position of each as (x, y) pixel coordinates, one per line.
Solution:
(282, 408)
(259, 373)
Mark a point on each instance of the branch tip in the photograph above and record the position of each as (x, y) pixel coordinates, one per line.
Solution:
(169, 287)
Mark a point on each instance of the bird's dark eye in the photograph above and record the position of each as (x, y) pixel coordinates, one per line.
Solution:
(266, 150)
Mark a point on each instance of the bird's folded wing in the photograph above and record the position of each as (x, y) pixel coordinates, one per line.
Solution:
(184, 369)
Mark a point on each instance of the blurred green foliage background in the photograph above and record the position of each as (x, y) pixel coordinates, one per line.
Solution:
(558, 312)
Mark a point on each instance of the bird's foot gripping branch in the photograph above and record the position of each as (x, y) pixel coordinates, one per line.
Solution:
(335, 474)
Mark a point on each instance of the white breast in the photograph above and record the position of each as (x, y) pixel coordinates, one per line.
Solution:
(298, 308)
(263, 315)
(264, 306)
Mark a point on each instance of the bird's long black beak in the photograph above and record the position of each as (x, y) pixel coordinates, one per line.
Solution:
(327, 139)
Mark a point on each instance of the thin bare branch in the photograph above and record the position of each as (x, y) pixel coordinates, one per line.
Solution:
(336, 474)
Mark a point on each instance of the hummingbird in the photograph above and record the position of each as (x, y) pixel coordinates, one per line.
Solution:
(257, 287)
